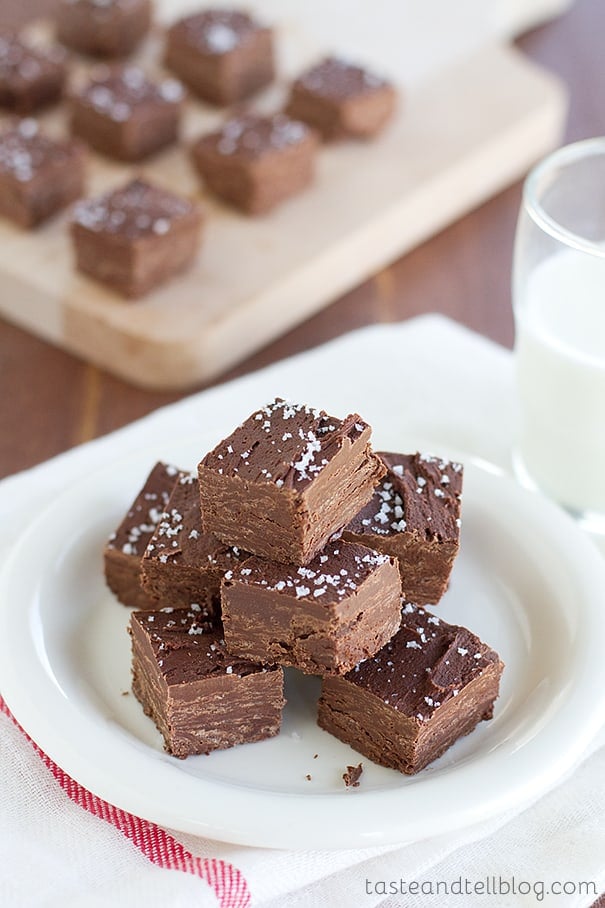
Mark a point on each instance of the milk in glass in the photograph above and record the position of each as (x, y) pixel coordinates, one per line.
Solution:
(560, 361)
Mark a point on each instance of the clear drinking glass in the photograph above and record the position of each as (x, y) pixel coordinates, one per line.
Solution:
(559, 307)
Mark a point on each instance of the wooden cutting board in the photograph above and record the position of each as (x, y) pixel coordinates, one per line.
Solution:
(459, 138)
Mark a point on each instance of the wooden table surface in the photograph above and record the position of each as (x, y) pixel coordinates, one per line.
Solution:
(50, 401)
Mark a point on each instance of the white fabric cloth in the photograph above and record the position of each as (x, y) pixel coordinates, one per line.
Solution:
(426, 380)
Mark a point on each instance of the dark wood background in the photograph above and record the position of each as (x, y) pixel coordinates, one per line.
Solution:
(50, 401)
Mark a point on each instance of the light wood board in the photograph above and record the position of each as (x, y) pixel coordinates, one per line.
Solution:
(457, 140)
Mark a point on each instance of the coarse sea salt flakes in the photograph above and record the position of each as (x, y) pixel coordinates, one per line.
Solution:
(161, 226)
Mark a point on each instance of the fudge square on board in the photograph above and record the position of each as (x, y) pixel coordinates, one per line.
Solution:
(125, 547)
(30, 77)
(182, 564)
(223, 56)
(136, 237)
(256, 162)
(414, 515)
(286, 480)
(430, 685)
(341, 99)
(39, 176)
(201, 697)
(103, 28)
(324, 617)
(123, 114)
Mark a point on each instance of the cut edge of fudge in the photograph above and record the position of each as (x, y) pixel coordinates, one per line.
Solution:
(414, 515)
(200, 697)
(125, 548)
(320, 618)
(375, 709)
(311, 472)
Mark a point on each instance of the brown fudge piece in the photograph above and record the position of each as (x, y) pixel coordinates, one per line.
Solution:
(223, 56)
(256, 162)
(125, 548)
(182, 564)
(342, 607)
(103, 28)
(340, 100)
(30, 77)
(430, 685)
(38, 175)
(286, 480)
(414, 515)
(136, 237)
(124, 115)
(200, 696)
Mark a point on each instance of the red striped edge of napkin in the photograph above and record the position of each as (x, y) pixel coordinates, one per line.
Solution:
(157, 845)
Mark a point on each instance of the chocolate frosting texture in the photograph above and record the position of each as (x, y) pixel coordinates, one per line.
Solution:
(426, 663)
(420, 493)
(117, 91)
(337, 572)
(179, 536)
(24, 151)
(285, 444)
(250, 136)
(138, 526)
(187, 645)
(137, 209)
(338, 79)
(23, 63)
(217, 31)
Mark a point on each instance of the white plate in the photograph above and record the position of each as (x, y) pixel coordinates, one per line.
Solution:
(526, 581)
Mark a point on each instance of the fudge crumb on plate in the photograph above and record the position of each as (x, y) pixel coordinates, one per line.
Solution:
(352, 775)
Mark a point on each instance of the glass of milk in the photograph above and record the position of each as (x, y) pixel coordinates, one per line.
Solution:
(559, 305)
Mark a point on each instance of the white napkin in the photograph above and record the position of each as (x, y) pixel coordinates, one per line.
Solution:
(431, 381)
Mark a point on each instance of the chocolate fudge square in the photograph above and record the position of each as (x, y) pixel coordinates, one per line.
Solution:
(325, 617)
(223, 56)
(125, 548)
(135, 238)
(414, 515)
(201, 697)
(103, 28)
(340, 100)
(430, 685)
(30, 77)
(256, 162)
(286, 480)
(182, 564)
(124, 115)
(38, 175)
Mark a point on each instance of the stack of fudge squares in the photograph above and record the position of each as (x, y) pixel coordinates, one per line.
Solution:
(296, 545)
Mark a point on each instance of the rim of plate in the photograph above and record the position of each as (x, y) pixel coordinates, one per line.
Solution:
(504, 777)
